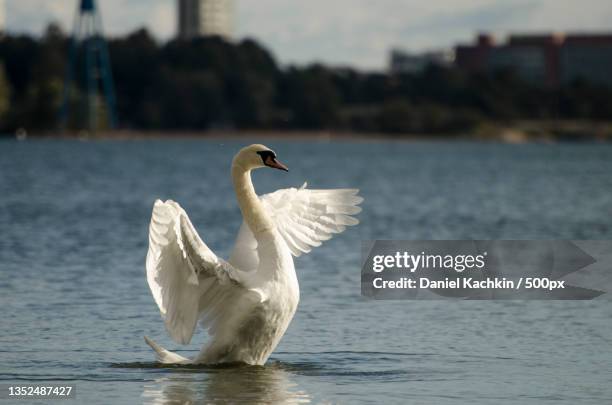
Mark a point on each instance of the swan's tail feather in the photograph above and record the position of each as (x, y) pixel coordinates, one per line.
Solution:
(164, 356)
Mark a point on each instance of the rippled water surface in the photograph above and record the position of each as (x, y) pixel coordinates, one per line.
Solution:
(75, 304)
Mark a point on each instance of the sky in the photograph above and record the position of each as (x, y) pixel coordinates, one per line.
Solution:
(358, 33)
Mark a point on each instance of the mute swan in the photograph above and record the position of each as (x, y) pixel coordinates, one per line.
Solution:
(246, 302)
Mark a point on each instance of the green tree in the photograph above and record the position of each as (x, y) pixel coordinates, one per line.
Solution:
(312, 98)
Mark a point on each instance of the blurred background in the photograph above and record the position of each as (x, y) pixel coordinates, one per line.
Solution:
(520, 70)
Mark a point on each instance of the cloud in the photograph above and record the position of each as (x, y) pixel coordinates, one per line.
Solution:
(32, 16)
(356, 32)
(120, 16)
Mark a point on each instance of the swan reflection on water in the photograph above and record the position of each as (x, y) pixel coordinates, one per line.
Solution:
(242, 384)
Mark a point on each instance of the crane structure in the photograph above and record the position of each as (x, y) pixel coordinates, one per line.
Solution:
(88, 75)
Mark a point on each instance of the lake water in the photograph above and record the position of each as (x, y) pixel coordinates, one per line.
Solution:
(75, 303)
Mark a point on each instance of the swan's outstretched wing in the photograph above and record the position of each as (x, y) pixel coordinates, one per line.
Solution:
(305, 218)
(187, 279)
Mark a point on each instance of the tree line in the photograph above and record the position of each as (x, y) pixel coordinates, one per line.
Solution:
(208, 83)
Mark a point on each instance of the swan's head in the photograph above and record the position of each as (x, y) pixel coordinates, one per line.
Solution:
(257, 156)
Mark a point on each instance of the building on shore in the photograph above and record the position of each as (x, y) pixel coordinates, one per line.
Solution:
(588, 57)
(550, 60)
(405, 62)
(198, 18)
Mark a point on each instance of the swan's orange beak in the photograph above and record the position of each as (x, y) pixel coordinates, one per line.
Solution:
(272, 162)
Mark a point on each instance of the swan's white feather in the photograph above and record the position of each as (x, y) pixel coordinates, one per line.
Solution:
(245, 255)
(305, 218)
(187, 279)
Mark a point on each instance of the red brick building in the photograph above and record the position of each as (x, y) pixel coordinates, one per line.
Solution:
(549, 60)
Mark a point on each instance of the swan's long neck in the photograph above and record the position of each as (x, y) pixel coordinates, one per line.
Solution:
(252, 209)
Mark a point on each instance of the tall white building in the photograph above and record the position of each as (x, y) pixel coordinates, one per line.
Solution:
(204, 17)
(2, 16)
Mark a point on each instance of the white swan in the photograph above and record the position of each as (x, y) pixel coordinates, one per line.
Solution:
(246, 302)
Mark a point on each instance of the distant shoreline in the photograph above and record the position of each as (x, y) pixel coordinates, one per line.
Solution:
(515, 133)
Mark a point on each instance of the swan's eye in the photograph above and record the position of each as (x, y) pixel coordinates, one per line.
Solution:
(265, 155)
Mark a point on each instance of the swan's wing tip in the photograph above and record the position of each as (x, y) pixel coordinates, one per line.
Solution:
(306, 217)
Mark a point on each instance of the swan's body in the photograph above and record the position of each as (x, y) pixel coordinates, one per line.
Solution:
(247, 302)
